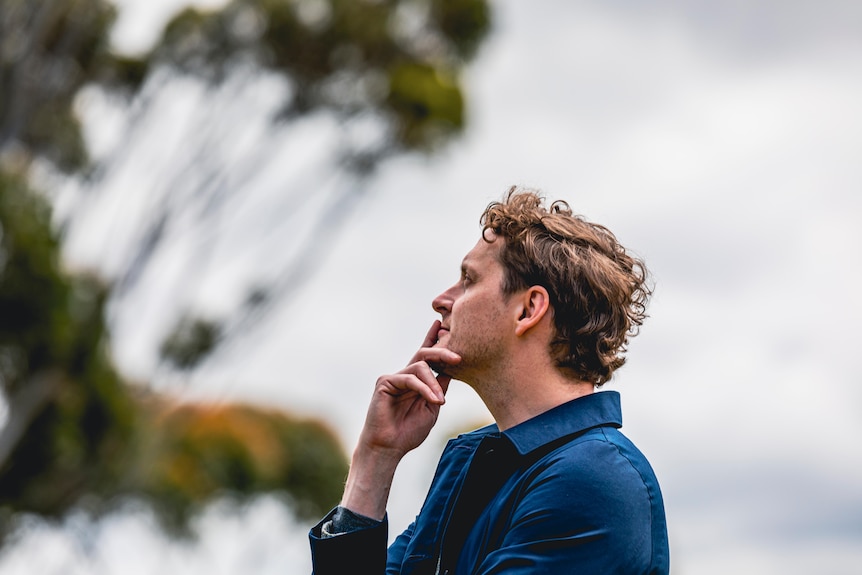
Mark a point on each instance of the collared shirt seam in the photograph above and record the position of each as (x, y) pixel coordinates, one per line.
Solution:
(646, 487)
(598, 422)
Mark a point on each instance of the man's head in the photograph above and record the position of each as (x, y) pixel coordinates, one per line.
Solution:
(598, 293)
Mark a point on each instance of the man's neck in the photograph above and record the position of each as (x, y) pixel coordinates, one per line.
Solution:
(516, 397)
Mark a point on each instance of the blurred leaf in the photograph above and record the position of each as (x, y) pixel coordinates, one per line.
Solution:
(312, 43)
(201, 451)
(190, 342)
(50, 50)
(70, 417)
(464, 22)
(428, 104)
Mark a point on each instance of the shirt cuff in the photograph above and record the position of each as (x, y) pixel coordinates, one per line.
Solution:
(360, 550)
(344, 520)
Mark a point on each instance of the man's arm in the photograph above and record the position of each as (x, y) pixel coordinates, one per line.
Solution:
(403, 409)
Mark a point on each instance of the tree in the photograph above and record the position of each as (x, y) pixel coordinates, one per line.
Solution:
(77, 436)
(66, 409)
(48, 51)
(306, 96)
(377, 78)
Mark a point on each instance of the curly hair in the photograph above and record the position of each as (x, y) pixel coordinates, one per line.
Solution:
(598, 292)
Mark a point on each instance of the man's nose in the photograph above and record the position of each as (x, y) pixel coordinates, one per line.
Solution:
(442, 304)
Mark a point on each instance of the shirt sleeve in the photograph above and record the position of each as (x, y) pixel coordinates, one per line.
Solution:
(345, 542)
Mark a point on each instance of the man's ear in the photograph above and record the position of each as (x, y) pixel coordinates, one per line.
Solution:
(535, 303)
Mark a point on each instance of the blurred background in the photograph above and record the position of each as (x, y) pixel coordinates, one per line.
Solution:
(221, 221)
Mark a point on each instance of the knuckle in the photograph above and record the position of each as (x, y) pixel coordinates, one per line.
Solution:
(383, 380)
(417, 365)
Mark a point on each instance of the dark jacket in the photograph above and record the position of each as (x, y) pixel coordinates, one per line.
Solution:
(564, 492)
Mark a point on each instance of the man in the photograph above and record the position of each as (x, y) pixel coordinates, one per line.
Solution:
(539, 318)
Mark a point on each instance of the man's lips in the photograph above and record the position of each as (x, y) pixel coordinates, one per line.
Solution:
(441, 332)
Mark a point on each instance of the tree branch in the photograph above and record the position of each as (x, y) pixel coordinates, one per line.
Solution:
(24, 405)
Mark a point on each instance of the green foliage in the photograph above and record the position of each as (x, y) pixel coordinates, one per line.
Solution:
(50, 50)
(396, 59)
(199, 451)
(396, 62)
(191, 340)
(29, 296)
(463, 22)
(429, 104)
(88, 439)
(73, 416)
(75, 434)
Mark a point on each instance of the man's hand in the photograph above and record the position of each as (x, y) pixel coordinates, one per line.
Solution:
(403, 409)
(405, 405)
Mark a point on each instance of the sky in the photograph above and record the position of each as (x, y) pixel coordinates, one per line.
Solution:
(719, 142)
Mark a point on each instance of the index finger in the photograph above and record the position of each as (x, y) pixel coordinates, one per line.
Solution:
(431, 336)
(434, 355)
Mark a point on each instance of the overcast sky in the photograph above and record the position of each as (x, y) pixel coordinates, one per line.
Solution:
(719, 141)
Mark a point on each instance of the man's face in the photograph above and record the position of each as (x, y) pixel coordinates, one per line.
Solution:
(475, 314)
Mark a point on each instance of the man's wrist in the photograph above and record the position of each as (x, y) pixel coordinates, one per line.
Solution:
(369, 480)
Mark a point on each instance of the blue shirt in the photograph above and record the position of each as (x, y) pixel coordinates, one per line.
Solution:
(564, 492)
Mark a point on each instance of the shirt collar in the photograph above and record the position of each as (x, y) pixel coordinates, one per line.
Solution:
(575, 416)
